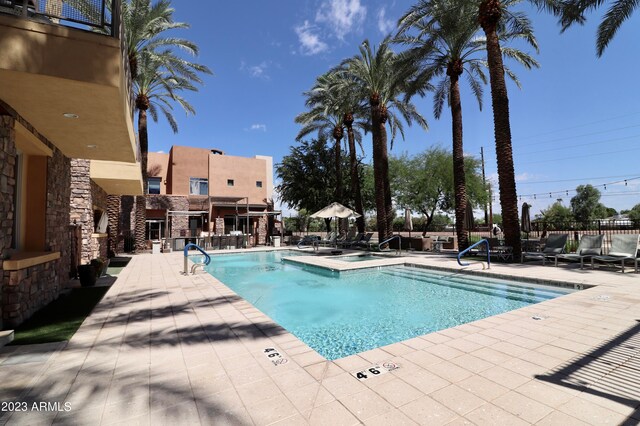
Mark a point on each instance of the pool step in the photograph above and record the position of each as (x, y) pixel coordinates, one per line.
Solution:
(478, 281)
(6, 337)
(499, 292)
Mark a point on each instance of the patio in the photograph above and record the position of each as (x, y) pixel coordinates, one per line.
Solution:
(164, 348)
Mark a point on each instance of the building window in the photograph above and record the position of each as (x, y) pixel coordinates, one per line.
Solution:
(230, 182)
(154, 185)
(198, 186)
(258, 184)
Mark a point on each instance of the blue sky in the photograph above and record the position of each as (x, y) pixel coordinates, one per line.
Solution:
(576, 119)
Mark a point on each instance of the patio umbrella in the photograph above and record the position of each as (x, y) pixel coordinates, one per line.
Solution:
(469, 223)
(336, 210)
(525, 220)
(408, 221)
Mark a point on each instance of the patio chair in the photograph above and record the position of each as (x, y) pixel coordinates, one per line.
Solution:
(554, 246)
(330, 240)
(364, 242)
(308, 240)
(623, 247)
(348, 242)
(590, 245)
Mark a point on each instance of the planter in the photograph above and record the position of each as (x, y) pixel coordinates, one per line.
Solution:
(87, 275)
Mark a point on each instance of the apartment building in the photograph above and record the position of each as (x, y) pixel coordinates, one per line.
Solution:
(65, 94)
(197, 191)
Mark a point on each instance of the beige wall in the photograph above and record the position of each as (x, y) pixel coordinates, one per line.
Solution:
(185, 163)
(244, 172)
(157, 166)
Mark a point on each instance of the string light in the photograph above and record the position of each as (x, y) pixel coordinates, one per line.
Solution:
(602, 185)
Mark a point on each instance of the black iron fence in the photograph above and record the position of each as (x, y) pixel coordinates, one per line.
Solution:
(574, 229)
(94, 15)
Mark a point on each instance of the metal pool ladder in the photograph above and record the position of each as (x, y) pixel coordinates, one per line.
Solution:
(399, 251)
(475, 245)
(207, 259)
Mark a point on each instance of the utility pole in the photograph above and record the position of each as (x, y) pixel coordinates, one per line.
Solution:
(484, 184)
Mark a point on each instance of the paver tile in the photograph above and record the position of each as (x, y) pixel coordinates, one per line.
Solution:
(457, 399)
(590, 413)
(332, 414)
(392, 417)
(365, 404)
(397, 392)
(523, 407)
(272, 410)
(343, 384)
(426, 411)
(489, 414)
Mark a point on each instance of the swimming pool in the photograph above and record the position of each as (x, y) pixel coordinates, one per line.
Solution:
(340, 314)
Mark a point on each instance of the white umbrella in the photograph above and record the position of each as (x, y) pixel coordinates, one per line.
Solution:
(336, 210)
(408, 221)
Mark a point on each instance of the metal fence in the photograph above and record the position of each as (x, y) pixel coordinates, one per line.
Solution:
(93, 15)
(574, 229)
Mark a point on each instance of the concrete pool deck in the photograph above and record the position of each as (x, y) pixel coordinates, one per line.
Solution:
(164, 348)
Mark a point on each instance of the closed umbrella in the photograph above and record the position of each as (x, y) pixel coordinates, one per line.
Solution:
(525, 220)
(408, 221)
(469, 222)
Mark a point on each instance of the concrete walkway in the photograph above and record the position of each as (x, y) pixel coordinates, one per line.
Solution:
(164, 348)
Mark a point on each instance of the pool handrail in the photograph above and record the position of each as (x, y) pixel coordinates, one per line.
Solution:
(399, 237)
(472, 246)
(207, 258)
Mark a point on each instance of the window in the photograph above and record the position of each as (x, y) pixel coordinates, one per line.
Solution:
(230, 182)
(258, 184)
(198, 186)
(154, 185)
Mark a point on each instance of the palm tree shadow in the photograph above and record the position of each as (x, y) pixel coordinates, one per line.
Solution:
(609, 371)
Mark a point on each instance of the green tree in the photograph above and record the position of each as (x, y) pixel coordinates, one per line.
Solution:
(572, 11)
(443, 39)
(307, 178)
(380, 77)
(557, 213)
(634, 213)
(585, 205)
(492, 16)
(425, 183)
(160, 75)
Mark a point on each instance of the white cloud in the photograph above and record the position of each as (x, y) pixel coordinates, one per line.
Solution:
(310, 43)
(161, 152)
(256, 71)
(259, 127)
(342, 16)
(385, 25)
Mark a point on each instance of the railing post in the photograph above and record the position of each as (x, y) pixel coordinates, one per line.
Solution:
(116, 9)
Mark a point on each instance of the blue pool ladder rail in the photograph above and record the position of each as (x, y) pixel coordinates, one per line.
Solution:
(483, 241)
(207, 258)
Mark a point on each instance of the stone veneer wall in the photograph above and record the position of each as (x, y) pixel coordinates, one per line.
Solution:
(99, 199)
(262, 230)
(7, 187)
(27, 290)
(219, 227)
(171, 202)
(81, 205)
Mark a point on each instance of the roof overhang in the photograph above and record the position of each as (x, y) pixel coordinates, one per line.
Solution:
(117, 178)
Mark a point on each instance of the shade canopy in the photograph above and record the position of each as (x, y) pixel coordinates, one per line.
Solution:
(336, 210)
(525, 219)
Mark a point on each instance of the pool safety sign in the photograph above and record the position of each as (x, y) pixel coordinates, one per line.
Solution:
(375, 370)
(274, 356)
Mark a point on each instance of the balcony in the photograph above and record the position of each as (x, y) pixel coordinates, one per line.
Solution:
(64, 69)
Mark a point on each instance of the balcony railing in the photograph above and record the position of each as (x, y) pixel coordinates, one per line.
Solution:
(91, 15)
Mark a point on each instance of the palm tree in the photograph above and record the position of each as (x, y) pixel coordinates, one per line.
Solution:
(446, 45)
(157, 87)
(158, 74)
(332, 108)
(572, 11)
(380, 78)
(492, 16)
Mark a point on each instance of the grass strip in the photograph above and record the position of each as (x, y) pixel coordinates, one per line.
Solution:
(59, 320)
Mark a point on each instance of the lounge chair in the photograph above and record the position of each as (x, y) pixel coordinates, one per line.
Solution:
(308, 240)
(590, 245)
(348, 242)
(623, 247)
(554, 246)
(364, 242)
(330, 240)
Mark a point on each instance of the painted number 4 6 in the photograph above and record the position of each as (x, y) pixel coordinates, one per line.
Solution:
(361, 374)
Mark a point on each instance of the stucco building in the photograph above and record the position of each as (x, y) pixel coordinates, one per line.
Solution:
(65, 94)
(197, 191)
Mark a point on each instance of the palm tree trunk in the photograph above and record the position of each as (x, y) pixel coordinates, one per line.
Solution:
(355, 180)
(459, 181)
(384, 160)
(378, 169)
(489, 17)
(338, 154)
(141, 200)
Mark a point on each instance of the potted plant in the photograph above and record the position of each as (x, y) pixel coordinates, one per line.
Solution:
(87, 275)
(100, 264)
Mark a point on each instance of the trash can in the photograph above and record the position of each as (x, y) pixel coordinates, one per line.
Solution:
(155, 247)
(276, 241)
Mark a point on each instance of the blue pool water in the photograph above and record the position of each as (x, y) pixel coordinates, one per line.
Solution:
(340, 314)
